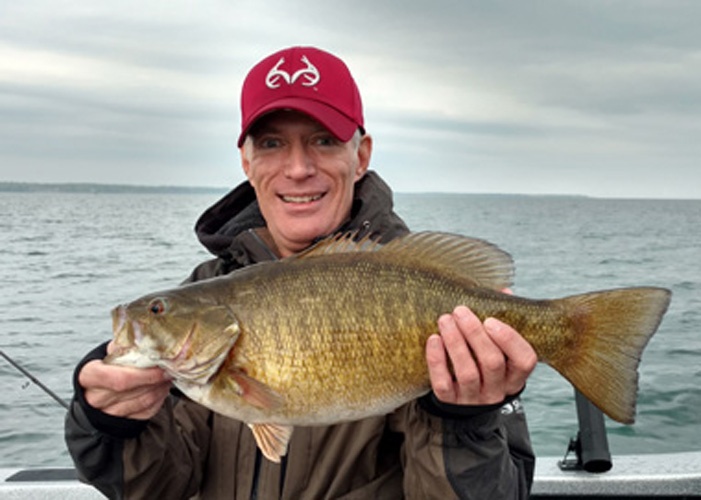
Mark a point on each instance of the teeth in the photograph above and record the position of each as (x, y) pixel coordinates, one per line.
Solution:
(301, 199)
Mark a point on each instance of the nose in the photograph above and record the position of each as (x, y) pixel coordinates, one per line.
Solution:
(299, 164)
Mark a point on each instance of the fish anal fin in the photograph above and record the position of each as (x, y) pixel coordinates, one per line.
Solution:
(255, 392)
(272, 439)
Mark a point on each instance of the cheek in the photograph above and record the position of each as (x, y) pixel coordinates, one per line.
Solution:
(261, 177)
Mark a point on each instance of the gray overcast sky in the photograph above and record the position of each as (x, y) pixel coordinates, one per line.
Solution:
(591, 97)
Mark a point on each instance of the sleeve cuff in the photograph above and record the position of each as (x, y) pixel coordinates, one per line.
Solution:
(431, 404)
(119, 427)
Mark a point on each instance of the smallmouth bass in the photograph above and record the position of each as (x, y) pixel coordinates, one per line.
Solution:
(338, 332)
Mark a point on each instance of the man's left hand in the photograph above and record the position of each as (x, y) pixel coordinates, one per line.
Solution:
(490, 361)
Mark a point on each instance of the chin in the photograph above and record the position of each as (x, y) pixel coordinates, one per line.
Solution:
(310, 232)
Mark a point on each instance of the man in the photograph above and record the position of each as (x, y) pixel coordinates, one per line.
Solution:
(306, 156)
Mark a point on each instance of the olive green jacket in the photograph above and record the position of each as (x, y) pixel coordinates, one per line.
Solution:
(424, 449)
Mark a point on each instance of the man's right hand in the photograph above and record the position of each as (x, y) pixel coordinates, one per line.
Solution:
(124, 391)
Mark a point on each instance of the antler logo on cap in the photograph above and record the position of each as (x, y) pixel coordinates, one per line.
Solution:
(310, 73)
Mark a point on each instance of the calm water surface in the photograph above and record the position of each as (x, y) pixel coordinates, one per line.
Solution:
(67, 259)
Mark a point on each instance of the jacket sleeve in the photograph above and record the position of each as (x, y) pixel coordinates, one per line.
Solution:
(461, 452)
(126, 458)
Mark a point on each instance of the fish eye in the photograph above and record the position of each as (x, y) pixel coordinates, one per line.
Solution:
(157, 306)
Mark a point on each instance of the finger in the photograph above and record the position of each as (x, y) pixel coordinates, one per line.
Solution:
(104, 399)
(520, 355)
(142, 404)
(97, 374)
(117, 390)
(455, 329)
(488, 356)
(438, 371)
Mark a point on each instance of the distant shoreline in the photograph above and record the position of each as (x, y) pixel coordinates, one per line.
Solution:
(97, 188)
(79, 187)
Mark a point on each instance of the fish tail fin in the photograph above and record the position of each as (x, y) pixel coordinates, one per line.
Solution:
(611, 330)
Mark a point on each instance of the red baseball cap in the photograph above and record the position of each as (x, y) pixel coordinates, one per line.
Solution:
(304, 79)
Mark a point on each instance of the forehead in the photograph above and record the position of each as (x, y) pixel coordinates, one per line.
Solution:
(282, 120)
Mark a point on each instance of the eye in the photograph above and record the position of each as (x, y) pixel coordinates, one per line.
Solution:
(326, 140)
(157, 307)
(267, 142)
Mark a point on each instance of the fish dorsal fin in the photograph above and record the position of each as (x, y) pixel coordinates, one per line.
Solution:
(340, 243)
(481, 262)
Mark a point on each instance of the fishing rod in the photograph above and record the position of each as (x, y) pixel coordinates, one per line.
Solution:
(35, 380)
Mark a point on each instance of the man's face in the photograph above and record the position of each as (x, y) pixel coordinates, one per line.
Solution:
(303, 177)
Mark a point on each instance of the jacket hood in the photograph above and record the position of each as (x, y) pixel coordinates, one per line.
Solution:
(238, 212)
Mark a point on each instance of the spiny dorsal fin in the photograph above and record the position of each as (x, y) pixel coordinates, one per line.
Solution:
(340, 243)
(482, 262)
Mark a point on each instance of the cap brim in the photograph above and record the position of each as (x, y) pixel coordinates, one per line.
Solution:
(334, 121)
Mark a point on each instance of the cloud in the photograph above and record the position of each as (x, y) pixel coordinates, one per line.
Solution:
(547, 96)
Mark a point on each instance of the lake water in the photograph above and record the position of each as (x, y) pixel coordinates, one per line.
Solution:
(66, 259)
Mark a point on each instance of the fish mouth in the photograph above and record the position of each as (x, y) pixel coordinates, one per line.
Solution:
(119, 318)
(128, 347)
(117, 352)
(127, 334)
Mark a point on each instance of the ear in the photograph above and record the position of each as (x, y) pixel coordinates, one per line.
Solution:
(364, 154)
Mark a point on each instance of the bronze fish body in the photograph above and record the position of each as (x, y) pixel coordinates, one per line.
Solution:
(338, 332)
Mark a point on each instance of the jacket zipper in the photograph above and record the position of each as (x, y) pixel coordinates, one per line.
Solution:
(262, 244)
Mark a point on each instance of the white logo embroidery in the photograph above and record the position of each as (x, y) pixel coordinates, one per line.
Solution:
(514, 406)
(310, 73)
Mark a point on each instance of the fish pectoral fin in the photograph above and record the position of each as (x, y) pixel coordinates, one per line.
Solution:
(272, 439)
(255, 392)
(232, 331)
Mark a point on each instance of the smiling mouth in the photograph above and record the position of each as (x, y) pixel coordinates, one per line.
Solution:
(302, 199)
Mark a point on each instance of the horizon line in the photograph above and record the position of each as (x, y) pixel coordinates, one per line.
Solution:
(106, 187)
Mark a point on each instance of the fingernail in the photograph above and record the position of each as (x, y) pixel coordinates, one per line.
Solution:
(461, 311)
(492, 325)
(434, 342)
(444, 320)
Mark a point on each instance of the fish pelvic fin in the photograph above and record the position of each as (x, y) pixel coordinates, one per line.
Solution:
(272, 439)
(611, 330)
(483, 263)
